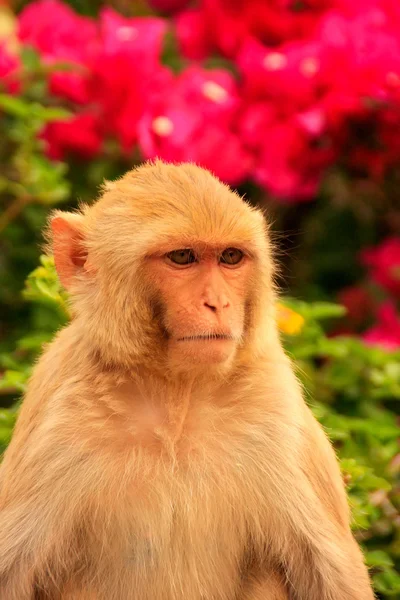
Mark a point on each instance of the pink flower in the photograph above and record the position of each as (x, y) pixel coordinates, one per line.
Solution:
(193, 34)
(230, 22)
(124, 124)
(292, 159)
(375, 60)
(139, 38)
(227, 23)
(255, 121)
(166, 130)
(60, 35)
(54, 29)
(359, 304)
(79, 135)
(127, 74)
(289, 74)
(72, 86)
(386, 333)
(276, 21)
(9, 66)
(213, 92)
(361, 53)
(221, 151)
(193, 121)
(384, 264)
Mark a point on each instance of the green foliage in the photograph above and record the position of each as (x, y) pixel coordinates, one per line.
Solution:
(30, 184)
(42, 287)
(353, 390)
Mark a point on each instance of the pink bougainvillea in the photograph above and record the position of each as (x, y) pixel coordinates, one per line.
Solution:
(126, 72)
(195, 120)
(360, 306)
(9, 65)
(80, 134)
(384, 264)
(386, 332)
(304, 86)
(61, 36)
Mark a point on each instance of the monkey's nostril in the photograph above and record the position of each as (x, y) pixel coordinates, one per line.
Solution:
(210, 306)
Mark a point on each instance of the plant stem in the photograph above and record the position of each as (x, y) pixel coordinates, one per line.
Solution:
(13, 210)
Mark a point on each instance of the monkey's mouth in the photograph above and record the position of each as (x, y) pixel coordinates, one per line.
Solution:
(207, 338)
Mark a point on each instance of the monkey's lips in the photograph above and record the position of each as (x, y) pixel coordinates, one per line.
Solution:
(205, 349)
(207, 338)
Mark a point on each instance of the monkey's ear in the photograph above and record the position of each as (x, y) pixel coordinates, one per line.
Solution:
(67, 241)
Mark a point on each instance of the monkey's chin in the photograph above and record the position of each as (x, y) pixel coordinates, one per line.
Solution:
(197, 353)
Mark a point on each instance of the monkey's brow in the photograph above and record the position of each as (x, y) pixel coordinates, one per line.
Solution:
(201, 247)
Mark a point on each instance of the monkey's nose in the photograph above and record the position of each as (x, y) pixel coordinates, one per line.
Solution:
(216, 305)
(211, 307)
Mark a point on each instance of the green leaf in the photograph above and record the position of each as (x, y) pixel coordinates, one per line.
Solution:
(14, 106)
(30, 58)
(388, 582)
(326, 310)
(46, 114)
(378, 558)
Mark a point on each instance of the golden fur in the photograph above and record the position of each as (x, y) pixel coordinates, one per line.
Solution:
(130, 477)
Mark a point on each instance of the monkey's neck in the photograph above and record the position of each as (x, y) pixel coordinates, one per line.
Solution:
(150, 377)
(153, 404)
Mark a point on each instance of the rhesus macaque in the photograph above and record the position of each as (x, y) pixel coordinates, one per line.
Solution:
(163, 450)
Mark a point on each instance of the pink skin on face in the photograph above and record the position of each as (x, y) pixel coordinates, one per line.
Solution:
(204, 299)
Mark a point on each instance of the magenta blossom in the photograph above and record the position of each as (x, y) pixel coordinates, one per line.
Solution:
(126, 73)
(293, 158)
(226, 24)
(289, 74)
(213, 92)
(139, 38)
(193, 121)
(255, 121)
(79, 135)
(54, 29)
(386, 332)
(132, 108)
(60, 35)
(384, 264)
(193, 34)
(359, 303)
(9, 66)
(361, 54)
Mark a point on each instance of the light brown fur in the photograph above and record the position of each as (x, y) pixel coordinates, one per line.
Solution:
(137, 472)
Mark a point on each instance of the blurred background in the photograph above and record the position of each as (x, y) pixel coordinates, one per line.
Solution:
(296, 103)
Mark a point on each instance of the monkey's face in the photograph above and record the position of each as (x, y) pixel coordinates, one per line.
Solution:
(203, 292)
(169, 268)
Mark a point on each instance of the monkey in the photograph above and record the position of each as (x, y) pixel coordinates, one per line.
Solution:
(164, 449)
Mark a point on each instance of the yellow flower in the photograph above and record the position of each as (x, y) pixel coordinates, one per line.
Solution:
(8, 30)
(288, 320)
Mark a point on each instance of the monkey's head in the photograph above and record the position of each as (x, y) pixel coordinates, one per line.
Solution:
(168, 266)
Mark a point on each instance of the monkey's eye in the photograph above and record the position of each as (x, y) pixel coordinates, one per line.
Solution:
(182, 257)
(231, 256)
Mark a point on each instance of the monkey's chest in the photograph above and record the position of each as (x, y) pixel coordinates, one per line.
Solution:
(189, 508)
(189, 525)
